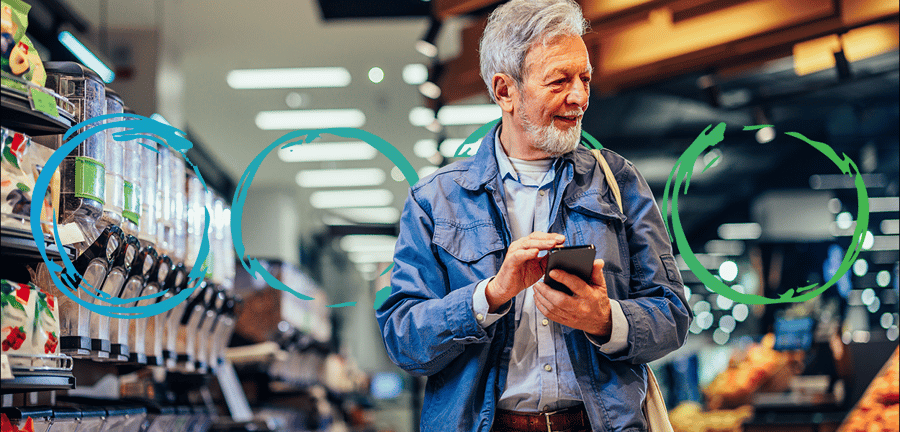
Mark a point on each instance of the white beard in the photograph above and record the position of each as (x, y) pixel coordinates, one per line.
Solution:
(550, 139)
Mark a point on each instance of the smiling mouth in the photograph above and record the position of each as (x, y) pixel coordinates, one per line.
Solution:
(569, 119)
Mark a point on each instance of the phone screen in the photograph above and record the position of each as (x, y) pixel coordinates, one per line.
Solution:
(576, 260)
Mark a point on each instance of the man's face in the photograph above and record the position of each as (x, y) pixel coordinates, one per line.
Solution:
(554, 94)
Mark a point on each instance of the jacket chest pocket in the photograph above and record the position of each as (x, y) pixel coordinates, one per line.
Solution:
(471, 251)
(604, 228)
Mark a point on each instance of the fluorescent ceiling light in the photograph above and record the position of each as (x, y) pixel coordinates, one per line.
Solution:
(890, 226)
(415, 74)
(427, 171)
(375, 215)
(371, 257)
(844, 181)
(86, 57)
(449, 147)
(340, 177)
(725, 247)
(368, 243)
(351, 198)
(317, 77)
(421, 116)
(884, 243)
(310, 119)
(425, 148)
(884, 204)
(468, 114)
(337, 151)
(740, 231)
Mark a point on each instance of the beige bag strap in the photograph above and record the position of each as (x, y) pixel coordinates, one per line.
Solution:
(610, 179)
(654, 405)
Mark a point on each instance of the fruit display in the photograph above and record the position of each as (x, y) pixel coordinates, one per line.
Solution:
(879, 408)
(759, 368)
(690, 417)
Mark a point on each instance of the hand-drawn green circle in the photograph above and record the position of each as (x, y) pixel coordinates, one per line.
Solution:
(588, 140)
(252, 265)
(682, 171)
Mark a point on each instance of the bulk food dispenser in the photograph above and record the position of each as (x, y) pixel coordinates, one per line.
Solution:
(147, 225)
(114, 160)
(140, 277)
(101, 330)
(153, 338)
(213, 310)
(140, 265)
(131, 184)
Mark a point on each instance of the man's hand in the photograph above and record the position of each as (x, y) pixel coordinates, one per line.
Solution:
(586, 309)
(521, 268)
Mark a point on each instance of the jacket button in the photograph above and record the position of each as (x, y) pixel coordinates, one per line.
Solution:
(545, 321)
(548, 368)
(480, 317)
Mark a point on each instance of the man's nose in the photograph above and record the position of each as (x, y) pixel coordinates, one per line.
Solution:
(579, 95)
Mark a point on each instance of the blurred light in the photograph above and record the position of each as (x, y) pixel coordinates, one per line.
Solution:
(861, 336)
(739, 288)
(368, 243)
(421, 116)
(740, 312)
(325, 178)
(386, 385)
(725, 247)
(844, 220)
(695, 328)
(415, 74)
(317, 77)
(397, 175)
(375, 215)
(426, 46)
(705, 320)
(765, 135)
(883, 243)
(892, 333)
(687, 292)
(869, 41)
(727, 323)
(884, 204)
(740, 231)
(336, 151)
(87, 58)
(425, 148)
(293, 100)
(435, 126)
(351, 198)
(854, 298)
(887, 320)
(723, 302)
(816, 55)
(868, 296)
(310, 119)
(883, 279)
(890, 226)
(843, 181)
(430, 90)
(376, 75)
(427, 171)
(450, 147)
(860, 267)
(728, 270)
(712, 158)
(835, 205)
(720, 336)
(702, 306)
(874, 306)
(868, 241)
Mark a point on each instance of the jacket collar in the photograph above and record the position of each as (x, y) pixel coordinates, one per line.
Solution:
(482, 168)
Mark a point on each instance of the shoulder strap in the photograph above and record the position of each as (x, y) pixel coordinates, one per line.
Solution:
(610, 179)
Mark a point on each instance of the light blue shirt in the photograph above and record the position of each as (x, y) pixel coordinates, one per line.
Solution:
(540, 376)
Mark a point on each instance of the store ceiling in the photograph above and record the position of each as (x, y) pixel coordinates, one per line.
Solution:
(650, 125)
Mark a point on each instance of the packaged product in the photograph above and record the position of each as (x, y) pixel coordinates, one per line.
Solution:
(17, 302)
(21, 164)
(45, 332)
(19, 57)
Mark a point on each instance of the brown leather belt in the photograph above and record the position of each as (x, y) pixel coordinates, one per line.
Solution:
(574, 418)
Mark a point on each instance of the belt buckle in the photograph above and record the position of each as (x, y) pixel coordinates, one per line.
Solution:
(547, 418)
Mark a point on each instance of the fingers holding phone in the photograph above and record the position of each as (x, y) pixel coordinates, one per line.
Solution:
(586, 308)
(521, 268)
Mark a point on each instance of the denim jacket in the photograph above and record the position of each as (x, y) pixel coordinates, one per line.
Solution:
(454, 234)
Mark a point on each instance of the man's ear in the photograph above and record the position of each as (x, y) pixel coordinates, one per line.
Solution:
(505, 91)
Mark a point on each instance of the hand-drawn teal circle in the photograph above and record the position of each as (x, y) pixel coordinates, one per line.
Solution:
(682, 172)
(587, 140)
(139, 127)
(252, 265)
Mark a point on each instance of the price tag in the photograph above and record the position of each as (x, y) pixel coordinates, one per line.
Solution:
(5, 369)
(43, 102)
(794, 334)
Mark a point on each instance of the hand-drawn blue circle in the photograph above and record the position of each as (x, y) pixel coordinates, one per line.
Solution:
(252, 265)
(139, 127)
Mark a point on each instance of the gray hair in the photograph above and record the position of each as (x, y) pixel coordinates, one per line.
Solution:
(513, 27)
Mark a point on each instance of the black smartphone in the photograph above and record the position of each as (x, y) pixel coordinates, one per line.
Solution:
(576, 260)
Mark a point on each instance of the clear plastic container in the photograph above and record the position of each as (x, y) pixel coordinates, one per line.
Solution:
(155, 333)
(140, 265)
(196, 218)
(93, 419)
(83, 172)
(175, 283)
(115, 153)
(213, 310)
(178, 199)
(222, 332)
(147, 227)
(190, 325)
(165, 211)
(138, 326)
(101, 330)
(39, 417)
(131, 184)
(65, 419)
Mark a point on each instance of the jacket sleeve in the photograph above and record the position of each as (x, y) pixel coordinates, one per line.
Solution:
(657, 310)
(424, 322)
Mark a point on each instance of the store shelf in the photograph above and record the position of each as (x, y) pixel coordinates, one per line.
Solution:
(20, 243)
(39, 377)
(18, 115)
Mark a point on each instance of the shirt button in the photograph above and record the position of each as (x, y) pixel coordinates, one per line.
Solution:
(546, 408)
(548, 368)
(480, 317)
(545, 321)
(543, 193)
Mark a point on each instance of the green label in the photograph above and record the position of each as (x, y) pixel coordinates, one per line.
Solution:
(132, 208)
(13, 84)
(90, 179)
(44, 103)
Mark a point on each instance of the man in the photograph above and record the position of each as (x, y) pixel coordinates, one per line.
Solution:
(469, 308)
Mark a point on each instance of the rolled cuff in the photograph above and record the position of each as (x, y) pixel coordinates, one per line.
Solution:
(618, 339)
(480, 306)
